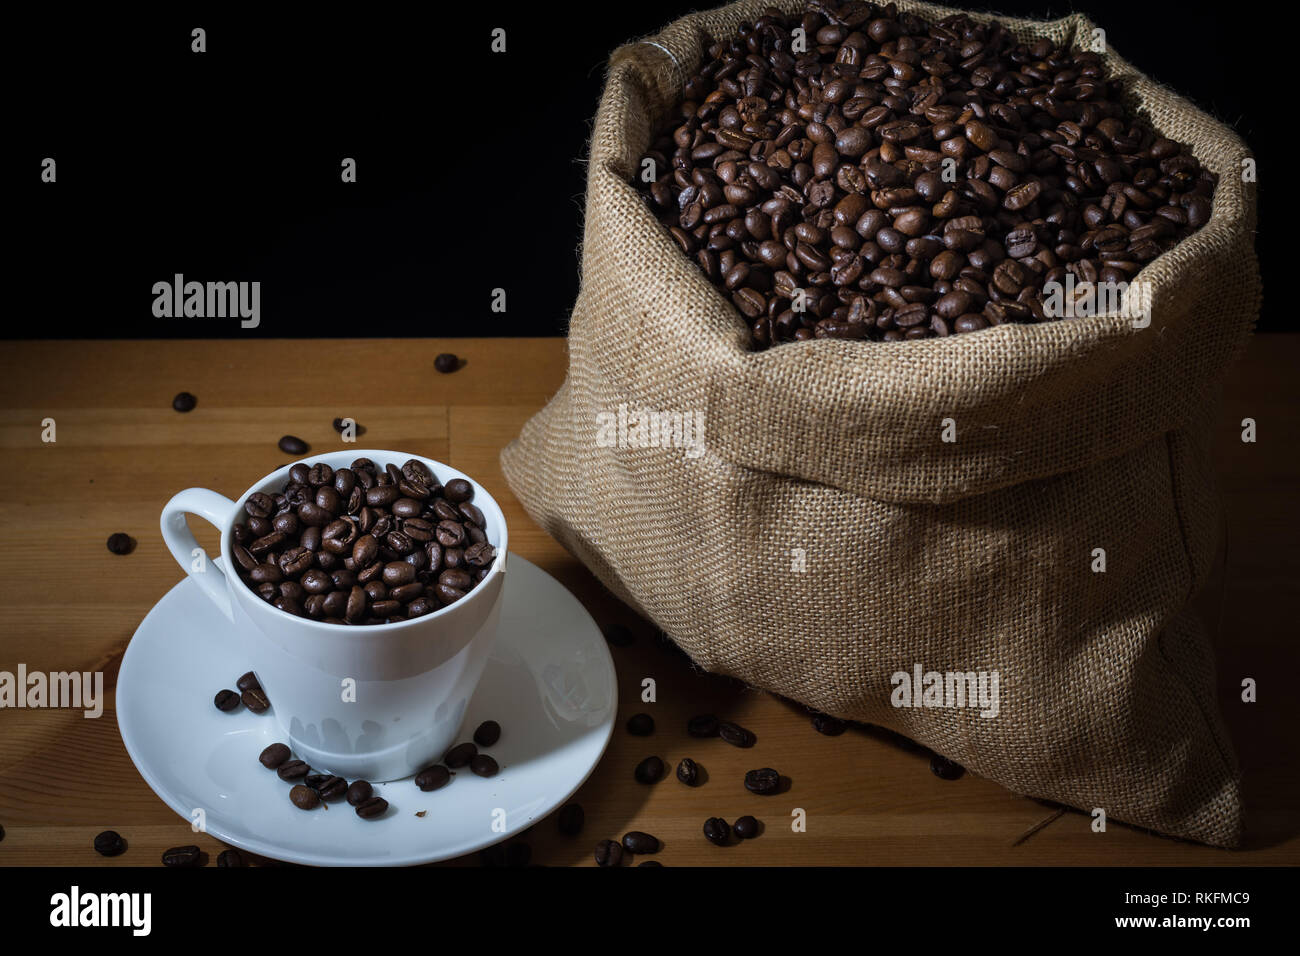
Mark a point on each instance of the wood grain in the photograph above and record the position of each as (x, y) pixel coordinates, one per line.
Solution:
(121, 452)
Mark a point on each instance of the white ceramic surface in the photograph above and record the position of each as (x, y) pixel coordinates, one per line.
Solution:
(378, 702)
(549, 681)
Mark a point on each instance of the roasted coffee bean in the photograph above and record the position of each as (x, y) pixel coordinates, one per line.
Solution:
(184, 402)
(458, 490)
(293, 445)
(649, 770)
(830, 726)
(446, 362)
(945, 769)
(480, 555)
(255, 699)
(745, 828)
(121, 543)
(518, 854)
(641, 725)
(483, 765)
(704, 725)
(570, 819)
(110, 843)
(274, 756)
(231, 857)
(248, 681)
(764, 782)
(460, 755)
(432, 778)
(636, 841)
(360, 791)
(487, 733)
(650, 863)
(226, 700)
(304, 798)
(372, 808)
(609, 853)
(717, 831)
(329, 787)
(182, 856)
(735, 735)
(293, 770)
(688, 772)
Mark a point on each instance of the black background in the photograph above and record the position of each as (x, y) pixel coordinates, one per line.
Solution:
(225, 165)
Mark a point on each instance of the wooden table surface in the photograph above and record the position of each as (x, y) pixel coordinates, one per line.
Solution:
(121, 452)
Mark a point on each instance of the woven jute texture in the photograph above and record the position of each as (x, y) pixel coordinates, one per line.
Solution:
(822, 537)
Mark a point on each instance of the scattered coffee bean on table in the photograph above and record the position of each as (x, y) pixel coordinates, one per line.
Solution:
(649, 770)
(735, 734)
(274, 756)
(637, 841)
(571, 819)
(226, 700)
(716, 831)
(746, 828)
(304, 798)
(339, 426)
(255, 699)
(945, 769)
(483, 765)
(110, 843)
(248, 681)
(815, 189)
(293, 445)
(488, 733)
(688, 772)
(372, 808)
(121, 543)
(705, 725)
(184, 402)
(649, 863)
(764, 782)
(641, 725)
(432, 778)
(361, 791)
(293, 770)
(828, 725)
(229, 858)
(460, 755)
(446, 362)
(609, 853)
(189, 855)
(2, 832)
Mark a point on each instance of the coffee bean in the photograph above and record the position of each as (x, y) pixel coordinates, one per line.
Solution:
(182, 856)
(619, 636)
(226, 700)
(460, 755)
(184, 402)
(746, 828)
(735, 735)
(518, 854)
(641, 725)
(248, 681)
(110, 843)
(121, 543)
(2, 833)
(446, 362)
(430, 778)
(764, 782)
(487, 733)
(274, 756)
(493, 855)
(571, 819)
(635, 841)
(705, 725)
(483, 765)
(293, 770)
(609, 853)
(717, 831)
(304, 798)
(292, 445)
(328, 786)
(231, 857)
(830, 726)
(360, 791)
(688, 772)
(945, 769)
(255, 699)
(372, 808)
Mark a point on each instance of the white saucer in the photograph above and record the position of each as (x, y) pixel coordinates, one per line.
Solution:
(549, 684)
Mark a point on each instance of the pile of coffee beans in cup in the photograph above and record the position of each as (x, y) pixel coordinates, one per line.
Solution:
(853, 172)
(364, 544)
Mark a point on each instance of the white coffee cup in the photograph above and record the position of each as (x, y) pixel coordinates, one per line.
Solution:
(377, 702)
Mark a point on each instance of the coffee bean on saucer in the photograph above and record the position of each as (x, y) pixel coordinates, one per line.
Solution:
(619, 636)
(571, 819)
(735, 734)
(488, 733)
(226, 700)
(764, 782)
(483, 765)
(641, 725)
(304, 798)
(446, 362)
(433, 778)
(374, 807)
(716, 831)
(293, 445)
(649, 863)
(746, 828)
(518, 854)
(705, 725)
(360, 792)
(945, 769)
(293, 770)
(248, 682)
(231, 857)
(609, 853)
(110, 843)
(121, 543)
(184, 402)
(688, 772)
(274, 755)
(329, 786)
(460, 755)
(828, 725)
(649, 770)
(635, 841)
(255, 699)
(182, 856)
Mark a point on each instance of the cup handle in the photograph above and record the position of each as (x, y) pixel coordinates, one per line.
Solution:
(216, 509)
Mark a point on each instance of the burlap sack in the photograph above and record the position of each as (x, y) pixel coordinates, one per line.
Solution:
(974, 555)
